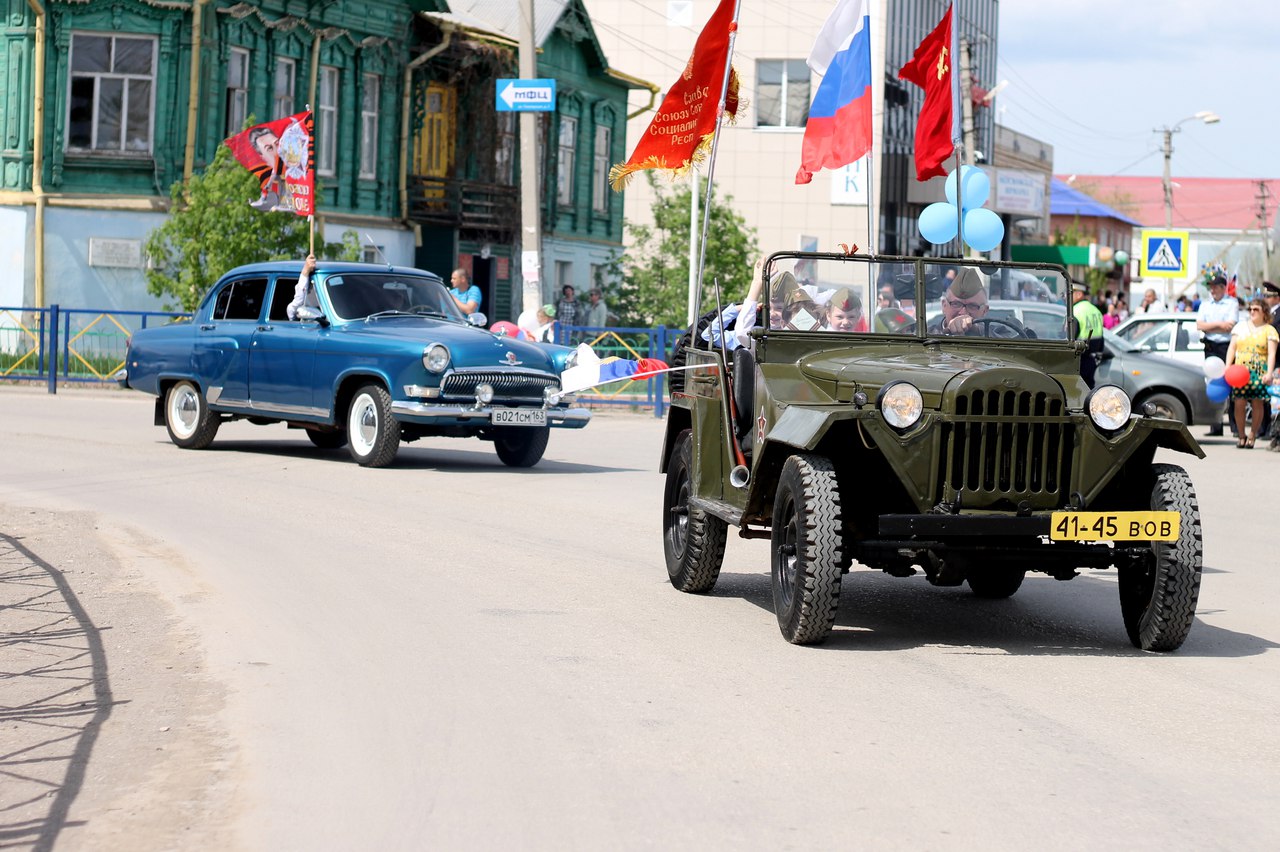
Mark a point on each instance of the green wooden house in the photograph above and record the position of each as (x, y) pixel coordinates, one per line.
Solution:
(106, 104)
(465, 196)
(132, 95)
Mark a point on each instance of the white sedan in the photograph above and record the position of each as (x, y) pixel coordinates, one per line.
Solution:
(1169, 335)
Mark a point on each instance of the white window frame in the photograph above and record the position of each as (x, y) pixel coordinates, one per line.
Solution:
(327, 120)
(370, 91)
(97, 77)
(600, 169)
(566, 146)
(284, 101)
(798, 89)
(237, 105)
(564, 276)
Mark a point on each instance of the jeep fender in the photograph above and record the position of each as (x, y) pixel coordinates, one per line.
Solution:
(1137, 443)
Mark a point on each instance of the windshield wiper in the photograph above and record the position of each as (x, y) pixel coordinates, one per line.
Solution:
(428, 312)
(390, 313)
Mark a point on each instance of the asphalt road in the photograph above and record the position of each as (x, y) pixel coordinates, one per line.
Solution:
(263, 646)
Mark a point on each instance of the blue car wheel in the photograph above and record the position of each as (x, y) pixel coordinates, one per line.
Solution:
(373, 433)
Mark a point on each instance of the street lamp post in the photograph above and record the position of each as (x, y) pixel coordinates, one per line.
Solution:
(1207, 117)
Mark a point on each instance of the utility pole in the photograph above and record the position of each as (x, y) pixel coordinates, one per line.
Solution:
(1264, 194)
(530, 226)
(1168, 179)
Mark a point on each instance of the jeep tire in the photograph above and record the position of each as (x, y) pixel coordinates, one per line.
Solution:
(692, 540)
(807, 549)
(1158, 595)
(995, 583)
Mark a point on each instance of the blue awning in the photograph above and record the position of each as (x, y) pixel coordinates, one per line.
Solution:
(1067, 201)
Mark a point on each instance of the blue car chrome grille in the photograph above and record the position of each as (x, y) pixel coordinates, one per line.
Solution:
(509, 386)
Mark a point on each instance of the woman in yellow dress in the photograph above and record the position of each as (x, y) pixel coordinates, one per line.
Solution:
(1253, 344)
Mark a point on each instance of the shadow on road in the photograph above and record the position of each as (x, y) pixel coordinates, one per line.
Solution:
(56, 697)
(411, 457)
(1046, 617)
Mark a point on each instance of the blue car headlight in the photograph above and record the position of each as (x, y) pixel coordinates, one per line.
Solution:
(436, 358)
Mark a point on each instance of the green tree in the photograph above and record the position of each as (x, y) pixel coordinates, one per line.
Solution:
(212, 229)
(654, 272)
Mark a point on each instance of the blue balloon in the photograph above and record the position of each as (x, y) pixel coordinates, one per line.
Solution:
(975, 189)
(938, 222)
(983, 229)
(1218, 390)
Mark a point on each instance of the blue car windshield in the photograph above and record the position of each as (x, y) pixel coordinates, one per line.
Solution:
(356, 295)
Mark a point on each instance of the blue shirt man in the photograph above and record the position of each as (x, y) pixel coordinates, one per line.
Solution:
(464, 293)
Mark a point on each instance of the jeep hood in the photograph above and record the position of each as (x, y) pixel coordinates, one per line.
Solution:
(931, 372)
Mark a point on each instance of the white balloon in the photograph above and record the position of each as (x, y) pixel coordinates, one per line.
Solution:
(1214, 367)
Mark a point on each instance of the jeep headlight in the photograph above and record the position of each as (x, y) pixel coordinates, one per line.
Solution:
(436, 358)
(900, 404)
(1109, 407)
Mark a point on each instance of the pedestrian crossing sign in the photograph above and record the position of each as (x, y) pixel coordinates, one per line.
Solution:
(1164, 254)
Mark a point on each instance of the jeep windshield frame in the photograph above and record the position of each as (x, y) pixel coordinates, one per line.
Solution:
(886, 296)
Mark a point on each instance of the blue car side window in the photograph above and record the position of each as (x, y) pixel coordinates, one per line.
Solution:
(241, 300)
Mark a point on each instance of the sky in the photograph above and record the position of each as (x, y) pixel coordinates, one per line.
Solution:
(1098, 78)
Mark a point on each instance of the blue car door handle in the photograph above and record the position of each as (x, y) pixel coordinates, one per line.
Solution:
(207, 327)
(265, 328)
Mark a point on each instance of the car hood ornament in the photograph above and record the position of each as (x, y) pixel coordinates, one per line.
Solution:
(511, 360)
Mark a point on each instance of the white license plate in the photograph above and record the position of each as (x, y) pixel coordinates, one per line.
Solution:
(518, 417)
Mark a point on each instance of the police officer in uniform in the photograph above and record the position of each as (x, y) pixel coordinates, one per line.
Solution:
(1088, 320)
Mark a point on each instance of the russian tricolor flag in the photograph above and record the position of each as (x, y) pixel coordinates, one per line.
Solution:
(838, 131)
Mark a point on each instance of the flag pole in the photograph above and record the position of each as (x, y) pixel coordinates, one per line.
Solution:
(711, 162)
(871, 197)
(959, 204)
(311, 217)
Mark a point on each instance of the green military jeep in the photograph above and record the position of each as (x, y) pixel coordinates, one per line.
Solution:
(910, 413)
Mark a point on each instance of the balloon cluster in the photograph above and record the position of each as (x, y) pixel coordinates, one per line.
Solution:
(1221, 378)
(983, 229)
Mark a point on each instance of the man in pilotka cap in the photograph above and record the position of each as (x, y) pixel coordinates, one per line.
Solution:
(964, 302)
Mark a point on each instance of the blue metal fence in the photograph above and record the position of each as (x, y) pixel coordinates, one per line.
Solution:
(78, 345)
(87, 346)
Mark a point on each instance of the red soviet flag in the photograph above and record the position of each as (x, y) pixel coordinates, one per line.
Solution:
(280, 153)
(684, 124)
(932, 69)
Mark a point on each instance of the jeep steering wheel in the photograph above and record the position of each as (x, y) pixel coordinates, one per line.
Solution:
(1018, 330)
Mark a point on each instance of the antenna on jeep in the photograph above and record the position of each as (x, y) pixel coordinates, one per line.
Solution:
(378, 250)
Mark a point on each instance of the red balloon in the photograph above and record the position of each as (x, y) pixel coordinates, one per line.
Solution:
(1237, 375)
(504, 327)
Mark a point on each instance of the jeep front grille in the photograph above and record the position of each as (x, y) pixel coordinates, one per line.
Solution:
(1004, 447)
(509, 386)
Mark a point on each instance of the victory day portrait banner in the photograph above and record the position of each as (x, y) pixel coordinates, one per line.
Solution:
(280, 153)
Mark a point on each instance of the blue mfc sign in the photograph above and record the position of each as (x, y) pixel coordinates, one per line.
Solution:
(526, 95)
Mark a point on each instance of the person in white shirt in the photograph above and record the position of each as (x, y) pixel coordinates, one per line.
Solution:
(302, 289)
(1151, 304)
(1217, 316)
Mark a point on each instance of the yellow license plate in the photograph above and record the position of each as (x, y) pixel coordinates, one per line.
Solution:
(1115, 526)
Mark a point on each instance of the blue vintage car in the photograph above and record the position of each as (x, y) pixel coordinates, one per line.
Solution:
(380, 355)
